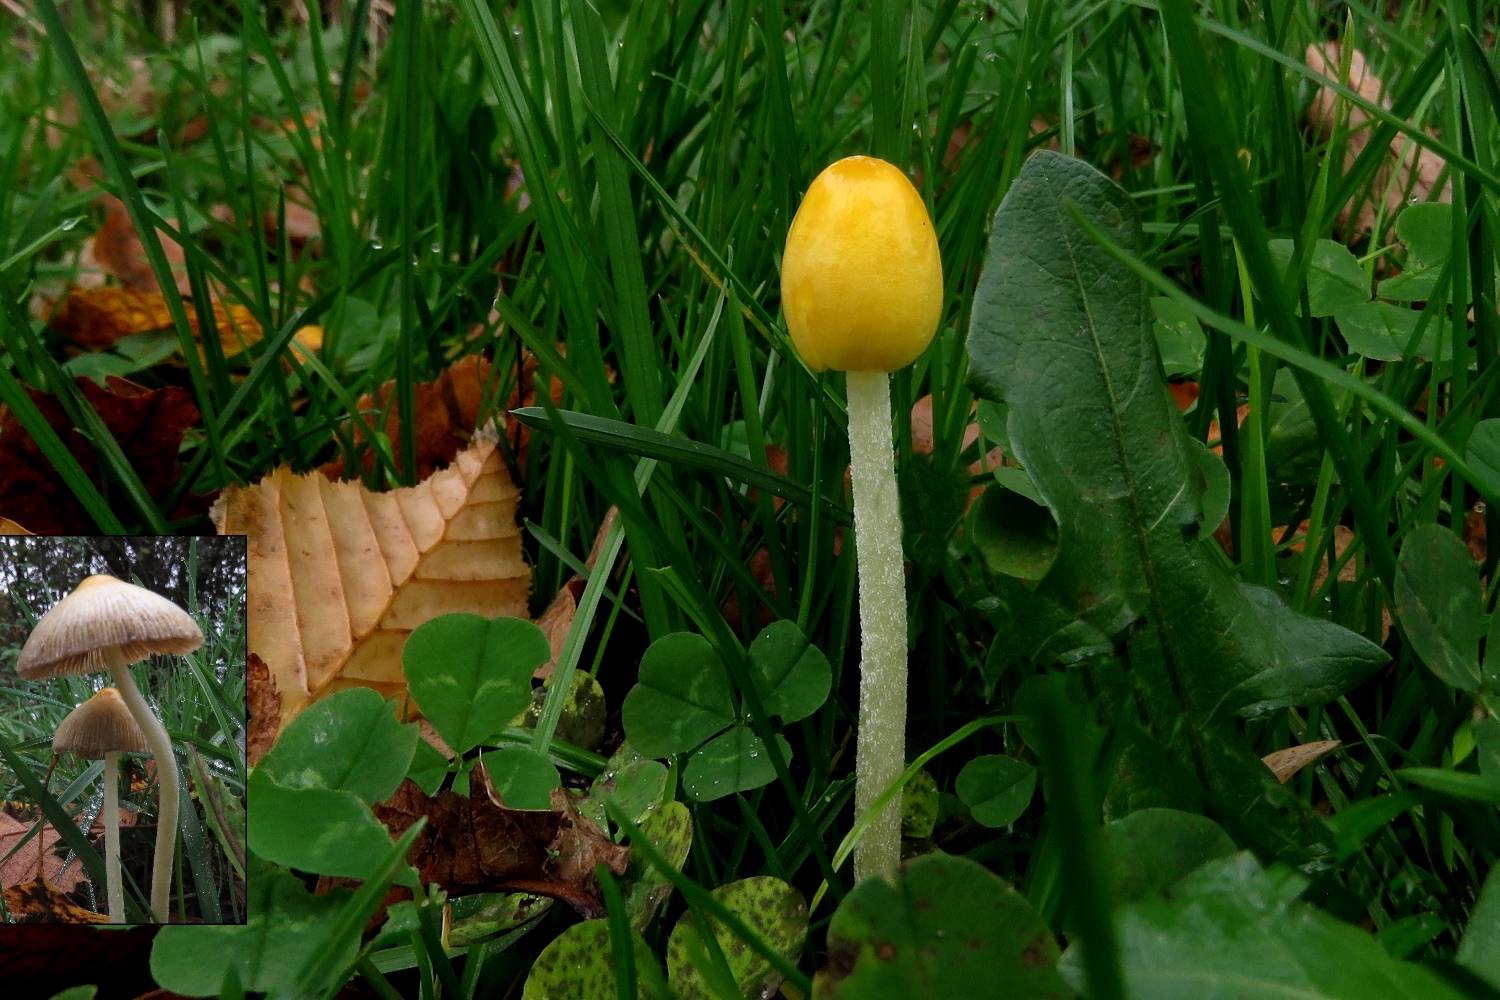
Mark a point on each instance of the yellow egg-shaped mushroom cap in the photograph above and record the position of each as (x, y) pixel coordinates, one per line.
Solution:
(861, 278)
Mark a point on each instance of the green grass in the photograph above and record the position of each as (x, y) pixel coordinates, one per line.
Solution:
(664, 146)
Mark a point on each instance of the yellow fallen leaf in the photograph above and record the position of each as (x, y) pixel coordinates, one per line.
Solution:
(41, 902)
(339, 576)
(9, 527)
(1285, 763)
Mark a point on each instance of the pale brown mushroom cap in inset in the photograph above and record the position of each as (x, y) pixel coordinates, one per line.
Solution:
(105, 612)
(99, 726)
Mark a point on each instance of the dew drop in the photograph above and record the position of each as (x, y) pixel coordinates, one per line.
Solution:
(375, 244)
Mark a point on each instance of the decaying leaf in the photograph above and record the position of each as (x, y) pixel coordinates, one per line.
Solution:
(447, 411)
(339, 576)
(1420, 168)
(9, 527)
(473, 845)
(147, 423)
(263, 703)
(1285, 763)
(23, 864)
(41, 902)
(116, 249)
(97, 317)
(558, 617)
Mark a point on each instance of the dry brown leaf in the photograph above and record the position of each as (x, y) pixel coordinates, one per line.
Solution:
(447, 411)
(9, 527)
(116, 249)
(148, 424)
(1285, 763)
(475, 845)
(339, 576)
(40, 902)
(22, 865)
(1420, 167)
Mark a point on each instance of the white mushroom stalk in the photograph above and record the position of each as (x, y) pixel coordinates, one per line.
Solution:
(166, 778)
(114, 887)
(103, 726)
(107, 625)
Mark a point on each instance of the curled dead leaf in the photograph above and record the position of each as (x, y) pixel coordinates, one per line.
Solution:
(448, 410)
(473, 845)
(263, 703)
(1285, 763)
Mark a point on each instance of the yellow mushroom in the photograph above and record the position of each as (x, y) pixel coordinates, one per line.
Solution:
(862, 291)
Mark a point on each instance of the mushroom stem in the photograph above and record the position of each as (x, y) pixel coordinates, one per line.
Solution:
(881, 751)
(112, 837)
(166, 778)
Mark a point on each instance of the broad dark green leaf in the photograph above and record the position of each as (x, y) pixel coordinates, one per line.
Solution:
(949, 928)
(1479, 950)
(1179, 337)
(1233, 929)
(522, 778)
(1459, 784)
(734, 762)
(284, 925)
(996, 788)
(932, 504)
(1334, 277)
(471, 675)
(769, 907)
(350, 741)
(428, 766)
(682, 699)
(1438, 602)
(1381, 331)
(1427, 230)
(793, 675)
(1484, 449)
(1215, 483)
(1150, 849)
(315, 829)
(1356, 822)
(1061, 332)
(1015, 536)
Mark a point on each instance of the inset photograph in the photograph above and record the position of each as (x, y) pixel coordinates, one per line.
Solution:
(122, 729)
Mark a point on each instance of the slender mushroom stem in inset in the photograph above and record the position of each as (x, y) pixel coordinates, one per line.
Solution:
(112, 837)
(166, 778)
(881, 752)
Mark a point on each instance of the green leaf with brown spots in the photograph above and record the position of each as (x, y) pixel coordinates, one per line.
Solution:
(919, 806)
(949, 928)
(769, 907)
(670, 830)
(579, 964)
